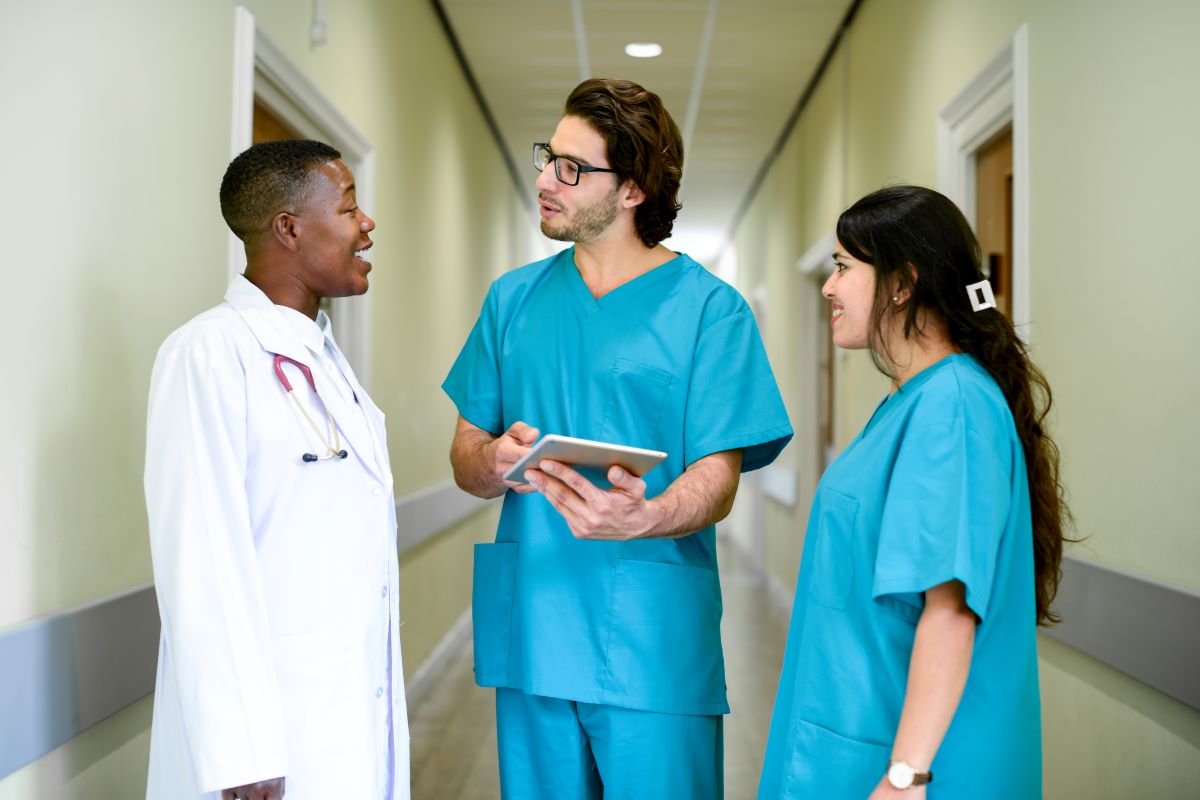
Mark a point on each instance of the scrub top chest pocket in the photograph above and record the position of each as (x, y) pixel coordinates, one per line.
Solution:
(637, 395)
(833, 550)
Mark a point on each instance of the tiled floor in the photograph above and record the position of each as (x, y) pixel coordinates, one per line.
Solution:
(454, 734)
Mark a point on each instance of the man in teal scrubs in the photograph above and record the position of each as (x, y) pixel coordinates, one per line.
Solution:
(597, 610)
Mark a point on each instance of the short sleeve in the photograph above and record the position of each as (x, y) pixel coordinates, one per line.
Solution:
(473, 384)
(733, 401)
(945, 513)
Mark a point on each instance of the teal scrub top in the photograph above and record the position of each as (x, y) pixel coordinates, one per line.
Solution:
(669, 361)
(933, 489)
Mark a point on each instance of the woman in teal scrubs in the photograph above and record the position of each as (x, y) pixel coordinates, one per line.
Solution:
(934, 540)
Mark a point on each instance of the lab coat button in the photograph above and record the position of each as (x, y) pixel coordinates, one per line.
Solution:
(377, 491)
(379, 692)
(384, 592)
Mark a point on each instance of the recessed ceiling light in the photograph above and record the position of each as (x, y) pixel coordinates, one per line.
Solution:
(643, 49)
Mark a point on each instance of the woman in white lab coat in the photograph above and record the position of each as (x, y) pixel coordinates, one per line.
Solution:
(279, 664)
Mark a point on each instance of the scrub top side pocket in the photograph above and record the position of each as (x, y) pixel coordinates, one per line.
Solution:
(833, 550)
(637, 396)
(492, 606)
(826, 764)
(664, 650)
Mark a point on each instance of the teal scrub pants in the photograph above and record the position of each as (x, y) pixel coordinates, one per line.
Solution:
(552, 749)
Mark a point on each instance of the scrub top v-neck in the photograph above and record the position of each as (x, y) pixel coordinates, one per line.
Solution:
(672, 361)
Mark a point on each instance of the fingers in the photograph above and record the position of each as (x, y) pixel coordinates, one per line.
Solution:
(621, 479)
(263, 790)
(524, 434)
(508, 452)
(511, 447)
(564, 499)
(578, 484)
(551, 482)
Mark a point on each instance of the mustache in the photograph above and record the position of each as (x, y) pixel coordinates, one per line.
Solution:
(542, 198)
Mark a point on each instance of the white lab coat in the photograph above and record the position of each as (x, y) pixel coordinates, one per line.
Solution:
(277, 579)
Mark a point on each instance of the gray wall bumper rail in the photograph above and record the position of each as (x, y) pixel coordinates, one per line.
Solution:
(1145, 628)
(61, 674)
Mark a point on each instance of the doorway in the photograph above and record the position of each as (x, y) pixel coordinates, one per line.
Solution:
(274, 99)
(983, 136)
(994, 215)
(269, 126)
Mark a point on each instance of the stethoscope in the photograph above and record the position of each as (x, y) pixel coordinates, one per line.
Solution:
(334, 450)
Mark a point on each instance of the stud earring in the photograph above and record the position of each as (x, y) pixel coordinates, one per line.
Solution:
(896, 299)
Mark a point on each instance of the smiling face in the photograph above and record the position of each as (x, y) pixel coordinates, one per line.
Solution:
(851, 291)
(333, 234)
(584, 212)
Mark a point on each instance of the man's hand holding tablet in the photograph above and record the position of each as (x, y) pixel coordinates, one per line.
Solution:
(584, 453)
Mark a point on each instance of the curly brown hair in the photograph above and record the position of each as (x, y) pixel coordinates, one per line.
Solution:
(643, 146)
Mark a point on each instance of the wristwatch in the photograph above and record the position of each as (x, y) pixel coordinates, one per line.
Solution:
(902, 775)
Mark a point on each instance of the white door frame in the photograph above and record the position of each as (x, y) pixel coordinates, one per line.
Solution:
(260, 69)
(815, 264)
(997, 97)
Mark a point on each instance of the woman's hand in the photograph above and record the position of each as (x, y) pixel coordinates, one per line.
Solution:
(262, 790)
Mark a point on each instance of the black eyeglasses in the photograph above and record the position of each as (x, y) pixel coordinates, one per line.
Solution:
(567, 170)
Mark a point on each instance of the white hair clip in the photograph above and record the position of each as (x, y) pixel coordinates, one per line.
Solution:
(981, 295)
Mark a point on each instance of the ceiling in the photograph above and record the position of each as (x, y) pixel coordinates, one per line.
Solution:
(730, 73)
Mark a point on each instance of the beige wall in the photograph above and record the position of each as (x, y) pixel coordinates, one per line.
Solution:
(113, 238)
(1114, 117)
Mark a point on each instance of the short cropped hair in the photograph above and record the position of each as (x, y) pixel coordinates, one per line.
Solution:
(643, 145)
(268, 178)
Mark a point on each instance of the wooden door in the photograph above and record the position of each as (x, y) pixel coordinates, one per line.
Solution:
(269, 126)
(994, 215)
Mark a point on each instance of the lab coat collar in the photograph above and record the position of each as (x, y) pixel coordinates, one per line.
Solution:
(265, 322)
(308, 331)
(302, 340)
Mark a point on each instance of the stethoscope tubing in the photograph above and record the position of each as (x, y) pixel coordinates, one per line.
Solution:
(335, 449)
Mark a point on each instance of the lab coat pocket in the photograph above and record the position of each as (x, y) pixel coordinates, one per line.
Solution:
(492, 607)
(827, 765)
(664, 648)
(637, 396)
(833, 550)
(327, 685)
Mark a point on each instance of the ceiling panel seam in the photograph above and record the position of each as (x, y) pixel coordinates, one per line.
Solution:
(456, 46)
(693, 107)
(788, 126)
(585, 67)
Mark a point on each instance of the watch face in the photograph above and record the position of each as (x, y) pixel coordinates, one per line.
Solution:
(900, 775)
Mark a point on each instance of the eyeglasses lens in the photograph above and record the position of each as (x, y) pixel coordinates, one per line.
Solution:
(541, 156)
(567, 171)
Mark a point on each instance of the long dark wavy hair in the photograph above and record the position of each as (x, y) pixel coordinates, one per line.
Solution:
(643, 144)
(918, 242)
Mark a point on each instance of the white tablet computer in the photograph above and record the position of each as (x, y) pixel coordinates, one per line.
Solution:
(585, 453)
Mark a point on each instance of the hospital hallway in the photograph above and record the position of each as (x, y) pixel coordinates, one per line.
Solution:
(453, 726)
(196, 549)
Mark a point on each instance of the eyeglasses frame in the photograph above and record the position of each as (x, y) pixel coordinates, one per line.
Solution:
(555, 158)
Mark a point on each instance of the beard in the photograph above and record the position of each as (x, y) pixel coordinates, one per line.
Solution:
(586, 222)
